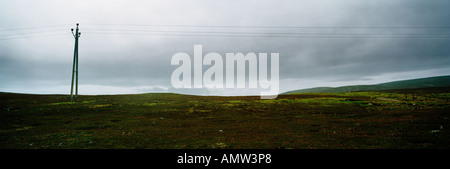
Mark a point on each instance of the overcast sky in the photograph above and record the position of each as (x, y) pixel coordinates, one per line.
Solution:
(126, 46)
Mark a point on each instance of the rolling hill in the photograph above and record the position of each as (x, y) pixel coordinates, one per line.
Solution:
(439, 81)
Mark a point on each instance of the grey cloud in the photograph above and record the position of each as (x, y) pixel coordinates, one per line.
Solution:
(136, 61)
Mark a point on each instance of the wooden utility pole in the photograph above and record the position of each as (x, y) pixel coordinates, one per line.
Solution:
(75, 65)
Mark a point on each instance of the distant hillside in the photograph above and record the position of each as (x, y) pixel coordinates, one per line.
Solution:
(439, 81)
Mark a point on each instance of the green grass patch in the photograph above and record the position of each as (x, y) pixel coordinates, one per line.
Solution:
(160, 121)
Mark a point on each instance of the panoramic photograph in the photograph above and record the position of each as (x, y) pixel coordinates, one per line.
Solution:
(226, 74)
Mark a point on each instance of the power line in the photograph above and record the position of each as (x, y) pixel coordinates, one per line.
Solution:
(120, 31)
(263, 34)
(274, 27)
(16, 33)
(238, 26)
(26, 37)
(35, 27)
(234, 33)
(284, 35)
(24, 33)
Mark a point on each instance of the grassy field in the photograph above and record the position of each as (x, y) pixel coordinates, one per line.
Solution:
(357, 120)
